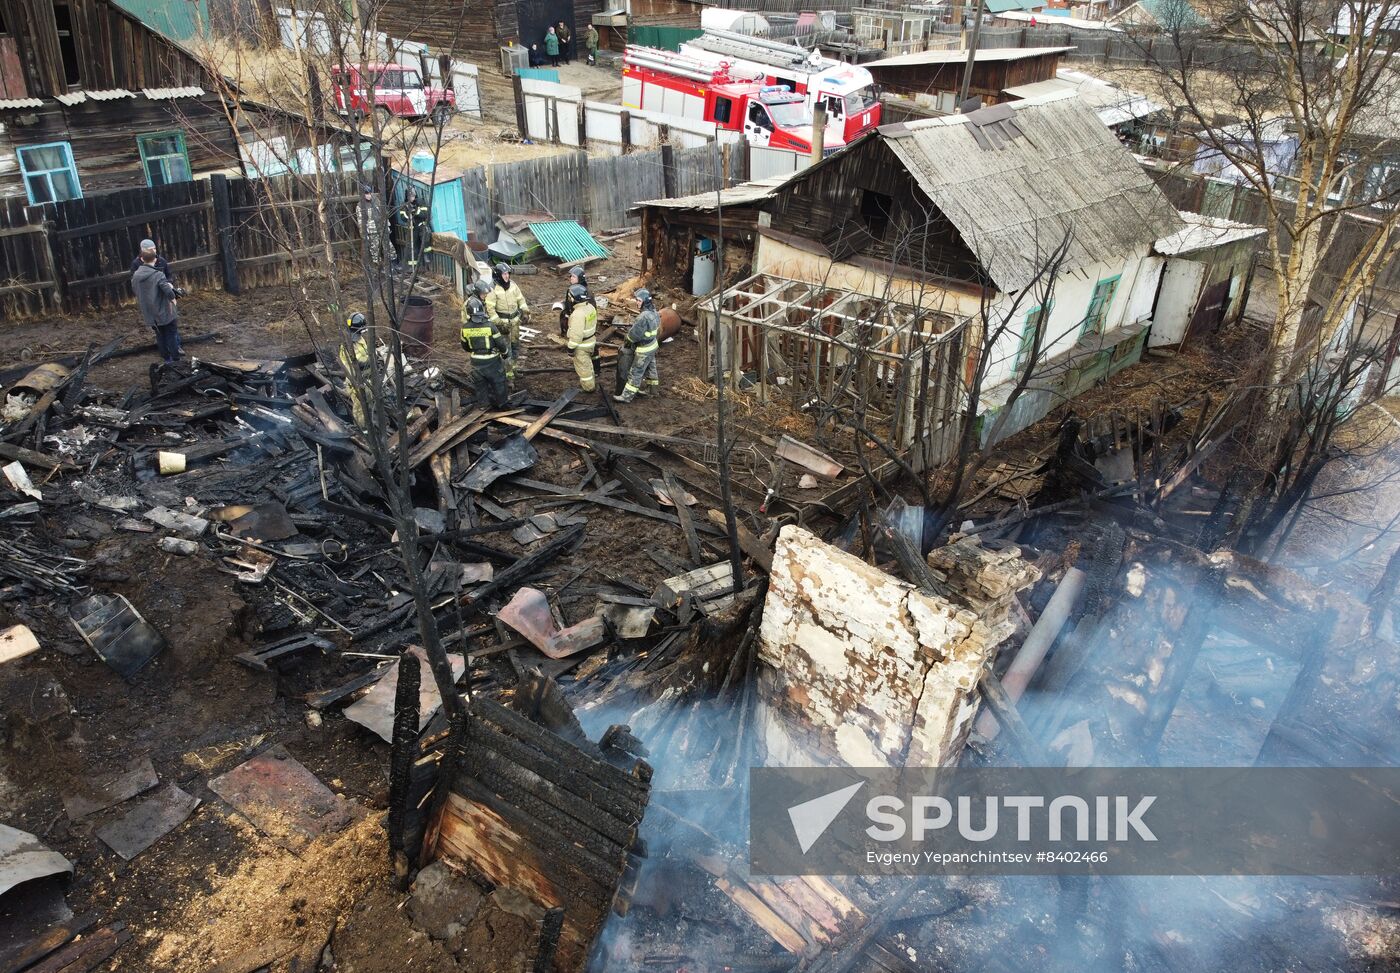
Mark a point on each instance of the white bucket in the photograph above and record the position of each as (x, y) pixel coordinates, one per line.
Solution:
(171, 462)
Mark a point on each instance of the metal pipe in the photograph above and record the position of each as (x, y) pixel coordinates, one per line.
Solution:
(1038, 641)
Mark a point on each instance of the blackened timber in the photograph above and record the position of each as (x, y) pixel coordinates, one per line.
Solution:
(609, 502)
(523, 729)
(589, 827)
(566, 775)
(572, 862)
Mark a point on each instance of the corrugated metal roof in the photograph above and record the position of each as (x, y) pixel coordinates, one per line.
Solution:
(13, 104)
(1014, 200)
(565, 240)
(740, 195)
(1113, 104)
(179, 20)
(960, 56)
(72, 98)
(1204, 233)
(158, 93)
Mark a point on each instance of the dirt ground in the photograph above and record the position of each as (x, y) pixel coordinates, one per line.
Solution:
(215, 889)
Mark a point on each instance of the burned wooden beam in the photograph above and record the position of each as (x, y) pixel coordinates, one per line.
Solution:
(545, 816)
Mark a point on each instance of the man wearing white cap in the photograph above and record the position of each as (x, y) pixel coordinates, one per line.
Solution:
(163, 265)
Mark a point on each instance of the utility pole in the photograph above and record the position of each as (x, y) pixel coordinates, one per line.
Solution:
(731, 520)
(818, 133)
(971, 54)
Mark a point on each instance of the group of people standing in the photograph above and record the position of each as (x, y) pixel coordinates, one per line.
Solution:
(491, 321)
(559, 44)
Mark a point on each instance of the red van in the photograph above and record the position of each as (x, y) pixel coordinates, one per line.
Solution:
(399, 92)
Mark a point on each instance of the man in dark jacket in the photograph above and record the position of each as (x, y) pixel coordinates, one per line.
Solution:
(156, 297)
(163, 265)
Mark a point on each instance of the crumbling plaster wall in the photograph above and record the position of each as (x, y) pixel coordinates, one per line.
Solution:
(863, 669)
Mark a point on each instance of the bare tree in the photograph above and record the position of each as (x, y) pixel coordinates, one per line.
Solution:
(1303, 107)
(325, 163)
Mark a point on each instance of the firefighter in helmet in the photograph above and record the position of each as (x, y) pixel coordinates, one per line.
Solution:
(485, 344)
(415, 229)
(508, 310)
(582, 335)
(576, 278)
(645, 343)
(354, 359)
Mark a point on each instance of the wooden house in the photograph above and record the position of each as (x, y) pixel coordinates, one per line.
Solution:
(97, 99)
(937, 74)
(963, 216)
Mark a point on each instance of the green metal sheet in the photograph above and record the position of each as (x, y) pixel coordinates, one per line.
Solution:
(666, 38)
(179, 20)
(566, 241)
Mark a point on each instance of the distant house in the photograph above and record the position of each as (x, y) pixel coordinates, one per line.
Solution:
(1271, 142)
(95, 98)
(936, 76)
(479, 28)
(961, 214)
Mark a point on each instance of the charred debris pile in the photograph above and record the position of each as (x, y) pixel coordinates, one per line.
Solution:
(592, 794)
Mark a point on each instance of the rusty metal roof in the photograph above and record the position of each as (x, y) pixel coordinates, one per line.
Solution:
(1015, 186)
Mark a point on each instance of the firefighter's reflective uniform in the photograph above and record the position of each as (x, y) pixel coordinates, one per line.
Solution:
(582, 340)
(415, 229)
(486, 345)
(354, 358)
(643, 337)
(508, 310)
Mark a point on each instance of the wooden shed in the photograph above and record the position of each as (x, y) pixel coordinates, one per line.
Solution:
(939, 73)
(477, 29)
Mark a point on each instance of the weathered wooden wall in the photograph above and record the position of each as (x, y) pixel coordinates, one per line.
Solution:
(114, 50)
(829, 199)
(460, 27)
(103, 135)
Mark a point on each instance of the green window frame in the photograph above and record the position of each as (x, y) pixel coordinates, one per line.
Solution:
(163, 157)
(1099, 305)
(49, 173)
(1034, 319)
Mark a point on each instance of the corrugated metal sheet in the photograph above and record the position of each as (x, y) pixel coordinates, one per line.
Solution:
(566, 241)
(1015, 200)
(954, 56)
(179, 20)
(159, 93)
(743, 194)
(14, 104)
(1205, 233)
(72, 98)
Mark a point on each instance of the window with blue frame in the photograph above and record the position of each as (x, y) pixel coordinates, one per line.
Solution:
(49, 173)
(164, 158)
(1036, 318)
(1099, 305)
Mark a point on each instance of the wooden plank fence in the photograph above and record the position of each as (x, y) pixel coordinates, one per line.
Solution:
(232, 233)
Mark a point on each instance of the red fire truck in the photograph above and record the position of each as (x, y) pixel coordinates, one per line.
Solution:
(846, 91)
(398, 92)
(768, 115)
